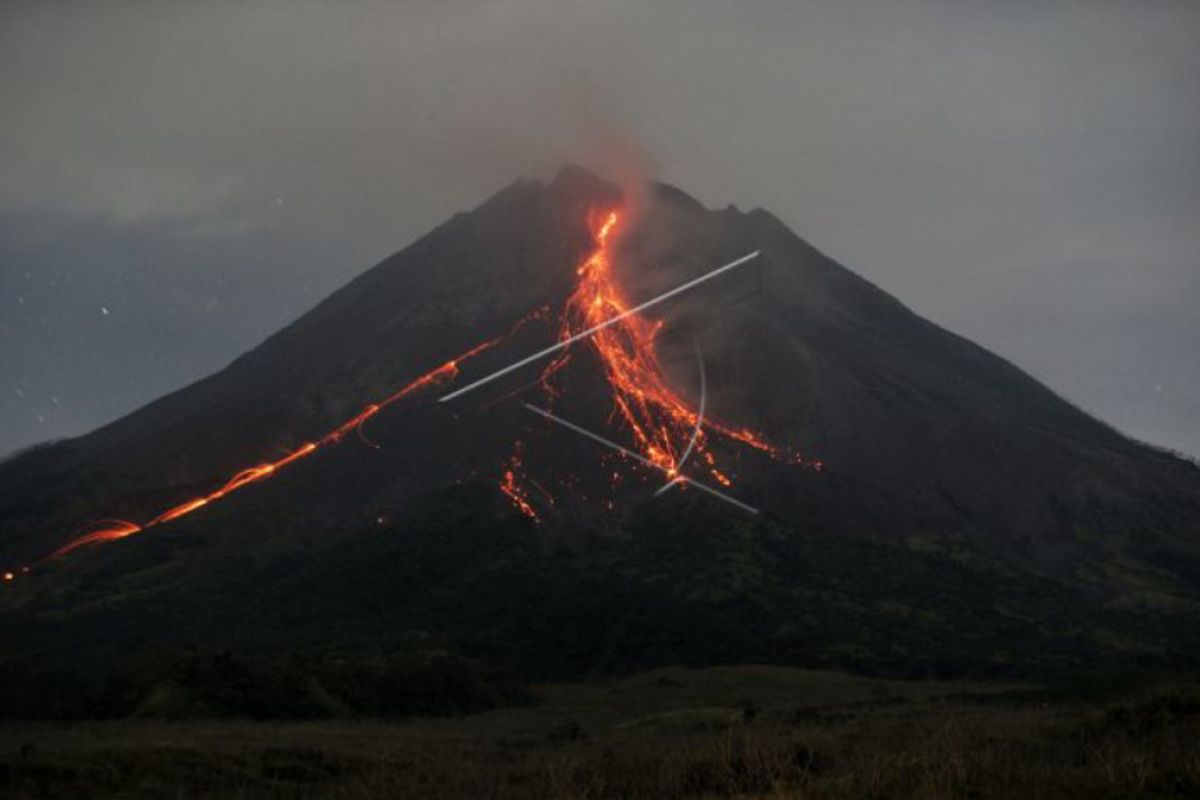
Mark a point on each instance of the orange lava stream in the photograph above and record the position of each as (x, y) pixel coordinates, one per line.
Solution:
(660, 421)
(111, 530)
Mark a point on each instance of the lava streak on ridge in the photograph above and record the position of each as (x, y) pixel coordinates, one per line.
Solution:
(112, 530)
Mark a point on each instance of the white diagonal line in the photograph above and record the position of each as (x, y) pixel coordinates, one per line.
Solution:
(593, 436)
(687, 451)
(554, 348)
(638, 457)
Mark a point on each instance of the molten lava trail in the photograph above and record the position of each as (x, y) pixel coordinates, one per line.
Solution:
(111, 530)
(665, 428)
(562, 344)
(661, 421)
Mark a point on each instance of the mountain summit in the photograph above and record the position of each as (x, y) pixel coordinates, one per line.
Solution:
(923, 503)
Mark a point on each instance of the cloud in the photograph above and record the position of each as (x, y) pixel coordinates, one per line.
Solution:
(1025, 174)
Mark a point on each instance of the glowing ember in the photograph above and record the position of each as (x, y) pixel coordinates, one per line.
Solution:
(515, 492)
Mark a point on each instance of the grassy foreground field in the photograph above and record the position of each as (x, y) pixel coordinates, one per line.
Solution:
(672, 733)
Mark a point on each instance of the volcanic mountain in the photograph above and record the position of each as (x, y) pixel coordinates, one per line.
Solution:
(924, 505)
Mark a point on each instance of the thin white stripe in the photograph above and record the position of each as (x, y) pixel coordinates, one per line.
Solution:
(638, 457)
(554, 348)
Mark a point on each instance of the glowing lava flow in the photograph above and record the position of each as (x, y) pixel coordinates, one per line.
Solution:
(111, 530)
(662, 423)
(660, 420)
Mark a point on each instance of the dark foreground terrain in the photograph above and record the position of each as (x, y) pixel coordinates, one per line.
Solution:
(672, 733)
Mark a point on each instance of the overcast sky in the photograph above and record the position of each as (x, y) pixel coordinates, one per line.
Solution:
(177, 181)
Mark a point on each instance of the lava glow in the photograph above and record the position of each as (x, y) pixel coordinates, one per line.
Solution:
(111, 530)
(659, 420)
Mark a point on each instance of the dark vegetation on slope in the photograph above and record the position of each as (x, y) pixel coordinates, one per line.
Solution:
(456, 603)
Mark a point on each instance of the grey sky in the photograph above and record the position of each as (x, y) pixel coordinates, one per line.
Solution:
(181, 180)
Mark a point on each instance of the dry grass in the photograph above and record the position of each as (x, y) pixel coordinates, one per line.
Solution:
(737, 732)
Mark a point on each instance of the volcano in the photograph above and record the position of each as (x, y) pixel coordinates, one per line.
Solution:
(924, 505)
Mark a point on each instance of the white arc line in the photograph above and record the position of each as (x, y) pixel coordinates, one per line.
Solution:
(554, 348)
(687, 451)
(637, 457)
